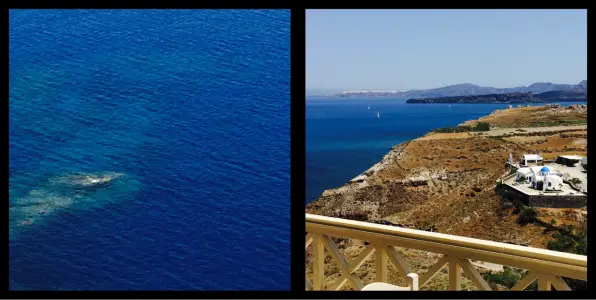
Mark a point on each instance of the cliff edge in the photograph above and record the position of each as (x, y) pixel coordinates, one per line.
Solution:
(445, 182)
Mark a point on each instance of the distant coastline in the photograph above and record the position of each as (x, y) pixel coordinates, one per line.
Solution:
(468, 89)
(513, 98)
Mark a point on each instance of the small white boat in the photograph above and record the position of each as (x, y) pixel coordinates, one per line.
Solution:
(378, 114)
(369, 107)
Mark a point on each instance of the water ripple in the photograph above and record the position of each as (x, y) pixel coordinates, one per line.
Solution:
(193, 106)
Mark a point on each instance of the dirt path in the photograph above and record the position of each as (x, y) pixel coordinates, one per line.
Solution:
(502, 132)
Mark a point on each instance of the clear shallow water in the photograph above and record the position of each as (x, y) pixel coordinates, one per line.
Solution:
(192, 108)
(344, 138)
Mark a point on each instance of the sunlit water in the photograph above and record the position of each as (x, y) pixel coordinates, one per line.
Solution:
(190, 109)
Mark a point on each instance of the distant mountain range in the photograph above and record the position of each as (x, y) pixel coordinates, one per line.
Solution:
(568, 95)
(468, 89)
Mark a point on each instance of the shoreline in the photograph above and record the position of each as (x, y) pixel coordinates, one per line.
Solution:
(410, 173)
(361, 180)
(392, 156)
(421, 175)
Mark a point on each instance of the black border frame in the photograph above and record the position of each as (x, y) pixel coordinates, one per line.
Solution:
(297, 191)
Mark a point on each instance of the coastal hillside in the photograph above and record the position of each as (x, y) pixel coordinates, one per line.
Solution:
(445, 182)
(534, 116)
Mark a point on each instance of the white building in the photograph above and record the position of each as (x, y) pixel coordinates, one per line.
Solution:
(524, 172)
(545, 179)
(530, 159)
(534, 172)
(553, 183)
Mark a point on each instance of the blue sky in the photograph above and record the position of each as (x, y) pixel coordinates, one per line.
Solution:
(420, 49)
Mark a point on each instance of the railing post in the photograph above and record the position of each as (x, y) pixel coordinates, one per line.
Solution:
(544, 284)
(454, 274)
(318, 259)
(381, 260)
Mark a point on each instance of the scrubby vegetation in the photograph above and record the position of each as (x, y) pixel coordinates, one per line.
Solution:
(527, 215)
(571, 240)
(481, 126)
(453, 129)
(575, 181)
(507, 195)
(559, 123)
(567, 239)
(509, 277)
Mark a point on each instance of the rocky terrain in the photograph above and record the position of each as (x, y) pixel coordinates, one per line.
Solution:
(445, 182)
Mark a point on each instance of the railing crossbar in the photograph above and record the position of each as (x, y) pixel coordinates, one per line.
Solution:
(546, 266)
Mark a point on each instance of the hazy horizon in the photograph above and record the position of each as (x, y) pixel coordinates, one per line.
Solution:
(426, 49)
(317, 90)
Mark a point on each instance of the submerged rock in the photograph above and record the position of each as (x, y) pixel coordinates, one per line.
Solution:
(74, 191)
(87, 179)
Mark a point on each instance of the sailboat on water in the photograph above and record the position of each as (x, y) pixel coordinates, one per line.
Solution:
(378, 114)
(369, 107)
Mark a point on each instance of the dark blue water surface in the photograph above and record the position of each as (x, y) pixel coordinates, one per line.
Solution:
(191, 108)
(344, 138)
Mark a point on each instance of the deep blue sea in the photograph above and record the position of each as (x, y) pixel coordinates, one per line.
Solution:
(344, 138)
(188, 111)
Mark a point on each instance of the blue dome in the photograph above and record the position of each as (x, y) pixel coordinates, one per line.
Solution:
(545, 169)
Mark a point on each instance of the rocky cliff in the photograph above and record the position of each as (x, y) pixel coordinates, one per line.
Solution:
(446, 181)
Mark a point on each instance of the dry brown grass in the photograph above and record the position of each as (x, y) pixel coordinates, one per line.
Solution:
(529, 116)
(449, 136)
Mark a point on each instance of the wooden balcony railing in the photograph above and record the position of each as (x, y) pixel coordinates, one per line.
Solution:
(546, 266)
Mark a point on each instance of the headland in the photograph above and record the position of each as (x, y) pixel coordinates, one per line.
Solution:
(448, 182)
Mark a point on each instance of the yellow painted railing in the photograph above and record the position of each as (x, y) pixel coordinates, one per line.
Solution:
(546, 266)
